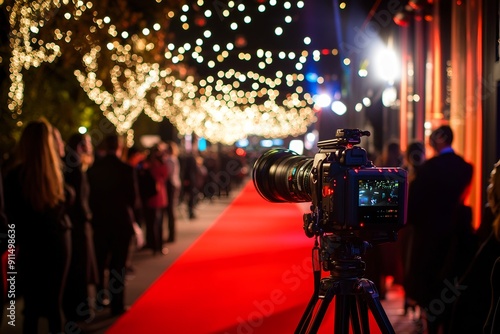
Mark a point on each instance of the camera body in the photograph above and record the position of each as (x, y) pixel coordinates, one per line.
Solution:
(350, 197)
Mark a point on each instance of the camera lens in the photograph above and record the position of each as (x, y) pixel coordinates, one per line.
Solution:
(282, 175)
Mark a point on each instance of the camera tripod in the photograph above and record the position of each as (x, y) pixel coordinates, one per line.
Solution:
(354, 295)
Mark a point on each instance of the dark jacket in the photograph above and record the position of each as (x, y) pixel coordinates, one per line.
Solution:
(113, 194)
(440, 223)
(42, 248)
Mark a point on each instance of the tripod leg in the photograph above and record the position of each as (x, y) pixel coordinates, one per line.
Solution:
(363, 324)
(343, 311)
(370, 295)
(316, 309)
(308, 313)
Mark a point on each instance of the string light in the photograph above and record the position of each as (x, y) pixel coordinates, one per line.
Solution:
(132, 82)
(25, 19)
(221, 107)
(251, 102)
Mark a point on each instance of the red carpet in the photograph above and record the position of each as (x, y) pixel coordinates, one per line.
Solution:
(249, 273)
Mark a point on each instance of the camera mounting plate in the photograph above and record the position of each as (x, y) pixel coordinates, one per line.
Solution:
(343, 138)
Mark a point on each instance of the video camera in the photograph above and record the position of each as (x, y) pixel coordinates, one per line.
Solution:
(350, 196)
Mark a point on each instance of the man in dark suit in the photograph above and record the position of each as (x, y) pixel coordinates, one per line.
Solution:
(113, 197)
(442, 230)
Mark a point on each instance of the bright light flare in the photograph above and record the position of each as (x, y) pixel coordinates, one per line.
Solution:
(388, 65)
(297, 145)
(322, 100)
(389, 96)
(339, 108)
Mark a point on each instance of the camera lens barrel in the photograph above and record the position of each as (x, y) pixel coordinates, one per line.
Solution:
(282, 175)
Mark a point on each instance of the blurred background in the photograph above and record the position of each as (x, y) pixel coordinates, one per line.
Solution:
(249, 75)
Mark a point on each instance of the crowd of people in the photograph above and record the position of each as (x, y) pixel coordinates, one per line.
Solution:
(445, 265)
(79, 213)
(88, 208)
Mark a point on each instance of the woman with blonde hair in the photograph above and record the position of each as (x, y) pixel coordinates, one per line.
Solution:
(35, 202)
(475, 289)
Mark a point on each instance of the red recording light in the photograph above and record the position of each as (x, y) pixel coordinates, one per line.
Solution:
(327, 191)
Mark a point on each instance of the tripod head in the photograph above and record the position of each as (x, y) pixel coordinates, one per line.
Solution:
(341, 256)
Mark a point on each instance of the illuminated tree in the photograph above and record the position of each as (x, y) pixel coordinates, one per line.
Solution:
(45, 43)
(63, 33)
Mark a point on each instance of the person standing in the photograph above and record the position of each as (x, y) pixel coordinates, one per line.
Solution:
(35, 205)
(156, 204)
(439, 219)
(472, 305)
(414, 157)
(113, 197)
(391, 156)
(383, 260)
(147, 187)
(189, 175)
(173, 186)
(83, 268)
